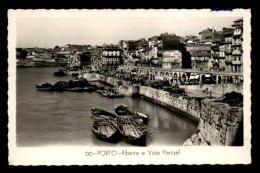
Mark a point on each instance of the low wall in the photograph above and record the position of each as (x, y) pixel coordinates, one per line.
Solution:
(216, 89)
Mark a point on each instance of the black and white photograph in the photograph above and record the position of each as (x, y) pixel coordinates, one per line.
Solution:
(95, 87)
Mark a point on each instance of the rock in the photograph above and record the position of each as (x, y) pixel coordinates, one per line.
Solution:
(194, 137)
(188, 142)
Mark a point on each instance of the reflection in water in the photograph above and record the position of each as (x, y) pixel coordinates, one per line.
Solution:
(64, 118)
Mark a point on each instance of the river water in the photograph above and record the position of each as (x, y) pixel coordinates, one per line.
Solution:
(64, 118)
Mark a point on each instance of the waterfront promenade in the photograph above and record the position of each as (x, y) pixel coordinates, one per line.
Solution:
(184, 74)
(219, 123)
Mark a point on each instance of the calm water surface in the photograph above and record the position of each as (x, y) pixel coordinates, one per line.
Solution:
(64, 118)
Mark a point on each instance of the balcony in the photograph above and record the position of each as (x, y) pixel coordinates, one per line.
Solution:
(236, 52)
(236, 62)
(234, 44)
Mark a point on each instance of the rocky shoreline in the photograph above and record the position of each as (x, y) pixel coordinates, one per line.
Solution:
(196, 140)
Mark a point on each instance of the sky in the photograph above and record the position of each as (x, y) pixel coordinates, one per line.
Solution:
(49, 32)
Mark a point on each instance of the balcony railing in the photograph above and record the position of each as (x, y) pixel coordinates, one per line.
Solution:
(237, 43)
(236, 62)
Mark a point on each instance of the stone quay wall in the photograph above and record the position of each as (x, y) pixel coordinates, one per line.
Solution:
(218, 123)
(187, 106)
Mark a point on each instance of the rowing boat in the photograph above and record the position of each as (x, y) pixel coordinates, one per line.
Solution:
(133, 131)
(130, 126)
(99, 112)
(123, 110)
(105, 125)
(44, 87)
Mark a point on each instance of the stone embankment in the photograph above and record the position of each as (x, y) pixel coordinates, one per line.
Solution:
(219, 124)
(187, 106)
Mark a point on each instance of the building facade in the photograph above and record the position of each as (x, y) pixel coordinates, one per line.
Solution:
(200, 56)
(228, 35)
(111, 56)
(172, 59)
(237, 48)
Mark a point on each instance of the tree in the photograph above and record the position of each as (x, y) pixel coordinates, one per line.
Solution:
(21, 53)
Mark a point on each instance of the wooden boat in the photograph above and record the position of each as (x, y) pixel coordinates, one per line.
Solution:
(105, 125)
(99, 112)
(122, 109)
(105, 128)
(114, 95)
(130, 126)
(45, 87)
(133, 131)
(70, 89)
(60, 72)
(60, 86)
(105, 93)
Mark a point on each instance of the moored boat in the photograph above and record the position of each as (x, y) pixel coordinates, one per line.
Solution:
(60, 72)
(123, 110)
(105, 128)
(133, 131)
(105, 125)
(45, 87)
(130, 126)
(99, 112)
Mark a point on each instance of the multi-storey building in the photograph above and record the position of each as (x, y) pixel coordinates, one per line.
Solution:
(129, 52)
(237, 49)
(74, 61)
(156, 47)
(111, 56)
(96, 60)
(228, 35)
(218, 51)
(200, 56)
(205, 36)
(142, 51)
(172, 59)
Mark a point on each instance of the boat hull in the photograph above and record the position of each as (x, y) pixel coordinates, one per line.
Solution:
(113, 139)
(133, 131)
(105, 128)
(44, 89)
